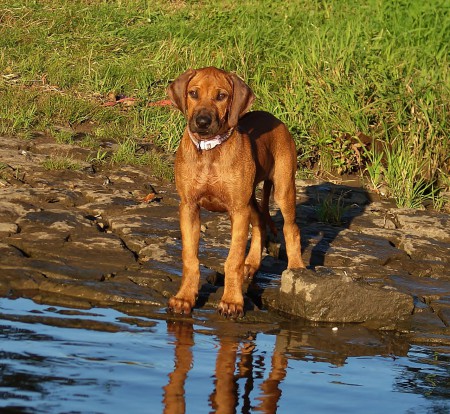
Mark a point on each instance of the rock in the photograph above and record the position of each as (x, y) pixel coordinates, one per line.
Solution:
(8, 228)
(432, 225)
(326, 296)
(154, 252)
(7, 252)
(86, 238)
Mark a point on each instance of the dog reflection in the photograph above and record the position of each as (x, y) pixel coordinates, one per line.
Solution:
(239, 365)
(234, 362)
(174, 401)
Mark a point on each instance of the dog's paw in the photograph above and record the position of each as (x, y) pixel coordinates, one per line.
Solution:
(296, 262)
(231, 310)
(180, 305)
(249, 271)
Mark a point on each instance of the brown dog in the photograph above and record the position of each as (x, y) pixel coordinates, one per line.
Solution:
(222, 156)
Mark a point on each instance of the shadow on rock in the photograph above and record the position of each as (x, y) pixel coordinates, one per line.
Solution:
(327, 210)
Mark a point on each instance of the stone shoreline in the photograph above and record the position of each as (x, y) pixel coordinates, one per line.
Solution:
(86, 238)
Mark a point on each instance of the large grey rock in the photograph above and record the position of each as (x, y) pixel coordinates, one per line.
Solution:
(327, 296)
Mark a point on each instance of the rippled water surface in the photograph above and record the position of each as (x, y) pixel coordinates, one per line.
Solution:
(59, 360)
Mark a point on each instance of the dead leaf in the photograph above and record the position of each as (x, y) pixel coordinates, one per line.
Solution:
(149, 198)
(127, 101)
(124, 100)
(162, 102)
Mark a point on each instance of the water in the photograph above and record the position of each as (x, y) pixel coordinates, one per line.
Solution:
(58, 360)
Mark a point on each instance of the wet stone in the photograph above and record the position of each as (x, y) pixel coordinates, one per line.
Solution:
(444, 315)
(87, 238)
(326, 296)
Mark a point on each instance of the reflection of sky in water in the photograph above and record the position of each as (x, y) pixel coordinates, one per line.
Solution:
(126, 369)
(362, 385)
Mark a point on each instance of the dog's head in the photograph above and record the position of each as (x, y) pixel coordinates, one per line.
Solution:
(211, 99)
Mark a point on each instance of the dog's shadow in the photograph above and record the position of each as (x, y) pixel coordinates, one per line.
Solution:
(325, 210)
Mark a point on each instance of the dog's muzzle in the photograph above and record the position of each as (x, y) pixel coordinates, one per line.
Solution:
(204, 123)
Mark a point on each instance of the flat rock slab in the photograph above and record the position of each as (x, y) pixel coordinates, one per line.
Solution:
(87, 238)
(327, 296)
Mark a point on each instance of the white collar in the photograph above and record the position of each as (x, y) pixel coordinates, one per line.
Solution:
(210, 143)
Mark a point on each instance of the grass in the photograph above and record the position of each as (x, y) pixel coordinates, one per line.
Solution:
(404, 175)
(3, 171)
(333, 71)
(130, 152)
(331, 209)
(60, 163)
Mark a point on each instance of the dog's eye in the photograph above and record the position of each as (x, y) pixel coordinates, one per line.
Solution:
(221, 96)
(193, 94)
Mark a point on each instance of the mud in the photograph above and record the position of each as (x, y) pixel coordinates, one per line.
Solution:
(87, 238)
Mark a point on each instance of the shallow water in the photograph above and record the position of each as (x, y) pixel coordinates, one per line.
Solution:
(59, 360)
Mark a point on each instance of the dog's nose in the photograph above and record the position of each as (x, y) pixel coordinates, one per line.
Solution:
(203, 121)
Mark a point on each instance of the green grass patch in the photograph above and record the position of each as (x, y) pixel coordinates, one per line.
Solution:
(3, 171)
(60, 163)
(331, 209)
(331, 70)
(131, 153)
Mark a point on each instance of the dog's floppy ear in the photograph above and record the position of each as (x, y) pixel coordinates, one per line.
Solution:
(177, 89)
(243, 98)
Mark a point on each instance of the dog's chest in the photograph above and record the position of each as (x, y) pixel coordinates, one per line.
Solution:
(210, 178)
(215, 184)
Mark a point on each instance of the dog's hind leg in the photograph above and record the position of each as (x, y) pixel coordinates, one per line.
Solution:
(253, 259)
(267, 188)
(284, 194)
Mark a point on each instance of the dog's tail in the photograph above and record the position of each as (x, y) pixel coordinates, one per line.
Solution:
(267, 188)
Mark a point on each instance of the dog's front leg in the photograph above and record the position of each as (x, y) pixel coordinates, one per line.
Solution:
(232, 303)
(184, 300)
